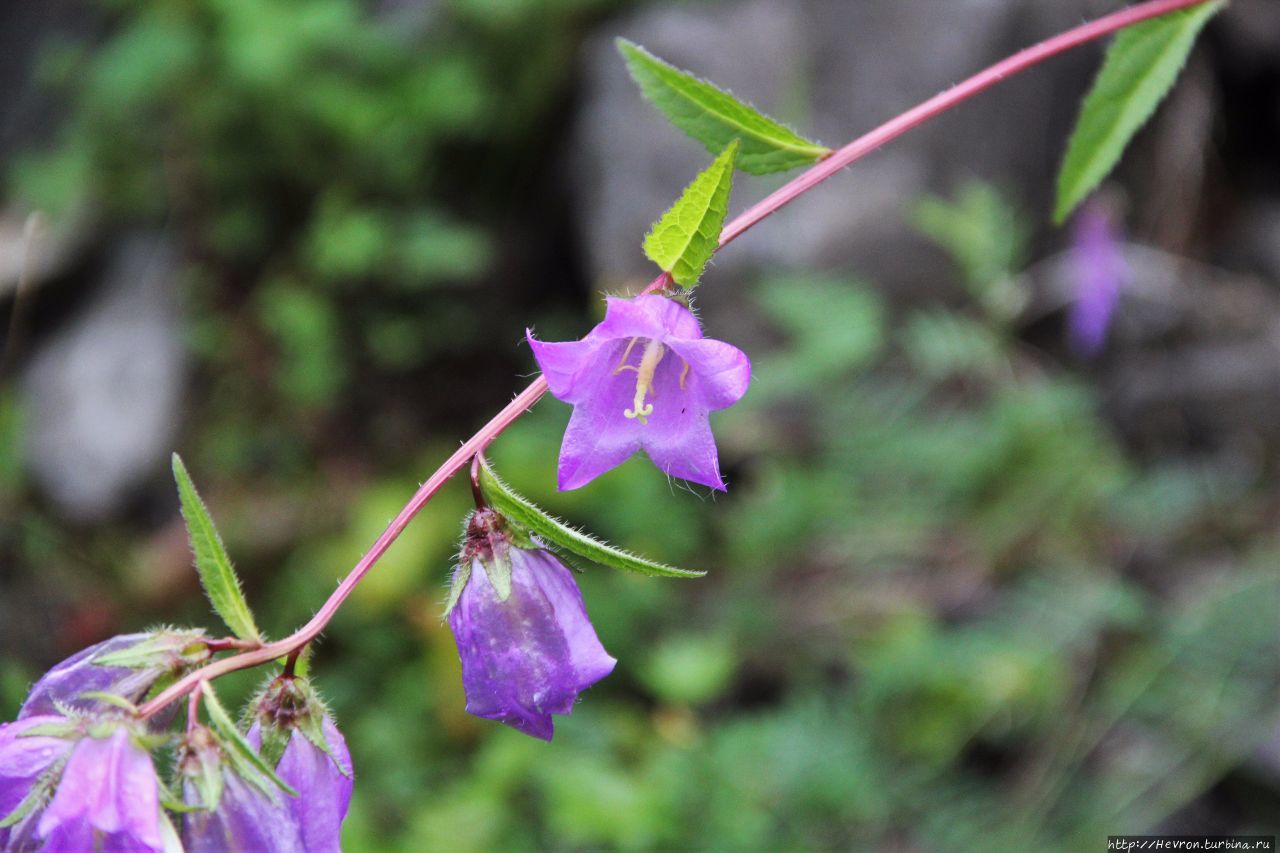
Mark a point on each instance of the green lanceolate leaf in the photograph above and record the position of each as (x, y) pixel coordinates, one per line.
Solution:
(457, 584)
(1141, 66)
(715, 118)
(216, 574)
(688, 234)
(521, 512)
(239, 748)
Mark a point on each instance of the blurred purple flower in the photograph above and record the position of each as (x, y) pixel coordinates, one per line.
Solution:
(25, 759)
(137, 661)
(322, 775)
(530, 656)
(1099, 273)
(244, 816)
(628, 395)
(107, 799)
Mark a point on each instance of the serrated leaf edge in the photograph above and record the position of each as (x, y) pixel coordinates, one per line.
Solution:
(1197, 17)
(630, 50)
(723, 186)
(523, 512)
(237, 615)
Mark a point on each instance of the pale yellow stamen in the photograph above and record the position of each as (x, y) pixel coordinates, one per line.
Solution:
(622, 362)
(653, 353)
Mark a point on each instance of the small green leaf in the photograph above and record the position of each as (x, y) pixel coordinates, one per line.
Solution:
(688, 234)
(216, 574)
(1141, 66)
(715, 118)
(461, 575)
(109, 699)
(238, 746)
(66, 729)
(520, 511)
(498, 568)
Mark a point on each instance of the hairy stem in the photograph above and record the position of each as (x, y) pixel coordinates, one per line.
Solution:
(825, 169)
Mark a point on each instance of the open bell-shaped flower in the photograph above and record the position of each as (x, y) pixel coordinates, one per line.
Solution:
(527, 646)
(643, 379)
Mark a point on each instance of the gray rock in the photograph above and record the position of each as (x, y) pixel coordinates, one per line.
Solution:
(33, 250)
(103, 394)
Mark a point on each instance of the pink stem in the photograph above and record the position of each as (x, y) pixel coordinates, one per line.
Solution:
(829, 166)
(944, 101)
(193, 706)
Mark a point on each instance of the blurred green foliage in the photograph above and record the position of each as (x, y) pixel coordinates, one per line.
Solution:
(335, 171)
(916, 630)
(931, 620)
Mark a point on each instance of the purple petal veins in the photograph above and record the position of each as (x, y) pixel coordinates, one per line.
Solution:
(643, 379)
(81, 673)
(108, 798)
(246, 819)
(530, 656)
(323, 780)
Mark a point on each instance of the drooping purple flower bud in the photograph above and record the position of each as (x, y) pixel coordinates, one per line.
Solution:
(1099, 273)
(126, 665)
(108, 796)
(643, 379)
(296, 735)
(28, 765)
(228, 810)
(527, 654)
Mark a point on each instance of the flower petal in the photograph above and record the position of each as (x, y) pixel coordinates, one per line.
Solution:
(689, 454)
(24, 759)
(323, 782)
(599, 437)
(629, 318)
(246, 819)
(678, 436)
(676, 320)
(530, 656)
(79, 674)
(562, 363)
(723, 370)
(589, 661)
(109, 786)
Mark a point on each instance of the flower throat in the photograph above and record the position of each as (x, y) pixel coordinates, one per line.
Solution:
(649, 361)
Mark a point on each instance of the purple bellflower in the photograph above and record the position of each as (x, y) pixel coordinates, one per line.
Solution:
(298, 737)
(126, 665)
(228, 811)
(1099, 274)
(108, 798)
(529, 654)
(643, 379)
(27, 760)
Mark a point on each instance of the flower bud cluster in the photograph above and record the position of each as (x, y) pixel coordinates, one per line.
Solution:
(78, 768)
